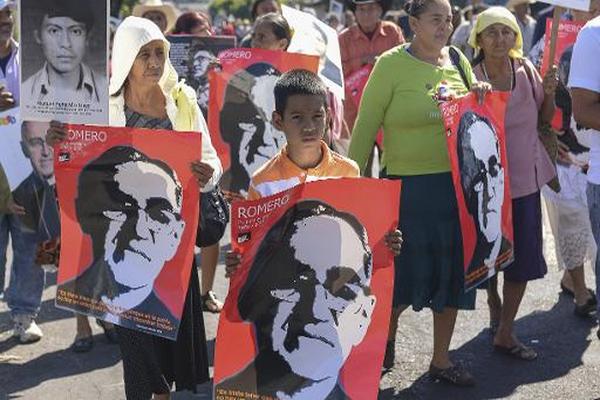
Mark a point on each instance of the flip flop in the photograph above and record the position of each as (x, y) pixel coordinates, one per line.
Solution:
(455, 375)
(518, 351)
(83, 345)
(570, 293)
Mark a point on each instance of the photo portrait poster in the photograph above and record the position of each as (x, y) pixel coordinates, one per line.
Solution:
(193, 56)
(16, 165)
(241, 107)
(129, 211)
(477, 152)
(308, 309)
(64, 60)
(567, 35)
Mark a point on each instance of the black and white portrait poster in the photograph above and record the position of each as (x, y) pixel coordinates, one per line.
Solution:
(28, 161)
(192, 57)
(308, 310)
(242, 102)
(129, 212)
(477, 153)
(64, 60)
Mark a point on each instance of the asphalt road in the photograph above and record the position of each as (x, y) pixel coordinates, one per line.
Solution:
(568, 366)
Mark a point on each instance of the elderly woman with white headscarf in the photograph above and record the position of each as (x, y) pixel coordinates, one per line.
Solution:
(146, 93)
(498, 43)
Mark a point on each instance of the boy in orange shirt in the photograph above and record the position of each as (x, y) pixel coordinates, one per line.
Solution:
(301, 113)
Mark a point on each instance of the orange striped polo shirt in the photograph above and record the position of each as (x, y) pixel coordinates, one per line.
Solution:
(280, 173)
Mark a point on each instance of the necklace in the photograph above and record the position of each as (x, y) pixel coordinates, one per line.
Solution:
(512, 74)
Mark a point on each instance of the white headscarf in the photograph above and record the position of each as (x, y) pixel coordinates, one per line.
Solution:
(130, 37)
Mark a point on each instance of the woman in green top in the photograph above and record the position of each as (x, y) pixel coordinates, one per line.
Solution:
(402, 95)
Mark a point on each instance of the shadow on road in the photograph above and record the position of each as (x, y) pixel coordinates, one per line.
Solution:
(15, 378)
(498, 376)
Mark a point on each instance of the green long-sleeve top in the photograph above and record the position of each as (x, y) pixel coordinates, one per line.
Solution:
(400, 97)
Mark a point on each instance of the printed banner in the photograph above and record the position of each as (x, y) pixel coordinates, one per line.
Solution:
(567, 34)
(129, 212)
(241, 107)
(313, 36)
(477, 152)
(28, 163)
(193, 56)
(61, 82)
(308, 310)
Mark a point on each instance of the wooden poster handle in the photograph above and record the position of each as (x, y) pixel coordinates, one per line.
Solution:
(558, 11)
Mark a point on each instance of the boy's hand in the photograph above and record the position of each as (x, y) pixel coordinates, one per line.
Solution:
(232, 263)
(393, 241)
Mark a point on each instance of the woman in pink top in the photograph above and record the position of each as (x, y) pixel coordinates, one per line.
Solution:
(500, 62)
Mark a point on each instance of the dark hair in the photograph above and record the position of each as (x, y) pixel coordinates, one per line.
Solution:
(97, 189)
(275, 265)
(65, 8)
(467, 161)
(279, 25)
(298, 82)
(189, 20)
(255, 5)
(415, 8)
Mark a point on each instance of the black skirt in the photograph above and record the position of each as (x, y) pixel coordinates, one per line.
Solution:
(152, 364)
(429, 271)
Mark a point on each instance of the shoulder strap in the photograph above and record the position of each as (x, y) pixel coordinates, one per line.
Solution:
(455, 58)
(529, 78)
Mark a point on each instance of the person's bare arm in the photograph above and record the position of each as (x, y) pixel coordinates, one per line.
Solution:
(586, 107)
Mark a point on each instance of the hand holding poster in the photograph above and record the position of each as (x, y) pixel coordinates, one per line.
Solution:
(193, 56)
(308, 310)
(477, 152)
(241, 107)
(129, 211)
(58, 82)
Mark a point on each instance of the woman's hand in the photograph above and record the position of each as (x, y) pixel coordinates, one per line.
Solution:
(393, 241)
(550, 81)
(232, 263)
(563, 154)
(202, 171)
(481, 89)
(57, 133)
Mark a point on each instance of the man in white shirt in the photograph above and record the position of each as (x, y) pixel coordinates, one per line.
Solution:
(584, 81)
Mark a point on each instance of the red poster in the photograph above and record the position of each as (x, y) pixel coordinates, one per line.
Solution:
(355, 86)
(129, 212)
(308, 311)
(240, 109)
(477, 152)
(567, 34)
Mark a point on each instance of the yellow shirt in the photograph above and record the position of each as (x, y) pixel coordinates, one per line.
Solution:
(280, 173)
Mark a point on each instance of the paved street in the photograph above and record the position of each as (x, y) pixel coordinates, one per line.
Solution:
(568, 366)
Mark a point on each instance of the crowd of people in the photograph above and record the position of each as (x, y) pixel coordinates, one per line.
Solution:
(427, 53)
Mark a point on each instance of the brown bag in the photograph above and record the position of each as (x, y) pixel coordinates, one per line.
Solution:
(547, 135)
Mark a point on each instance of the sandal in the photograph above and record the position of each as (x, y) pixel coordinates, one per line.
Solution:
(518, 351)
(83, 345)
(210, 303)
(586, 309)
(109, 333)
(565, 290)
(390, 354)
(455, 375)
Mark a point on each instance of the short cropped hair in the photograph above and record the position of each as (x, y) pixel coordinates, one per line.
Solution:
(298, 82)
(73, 9)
